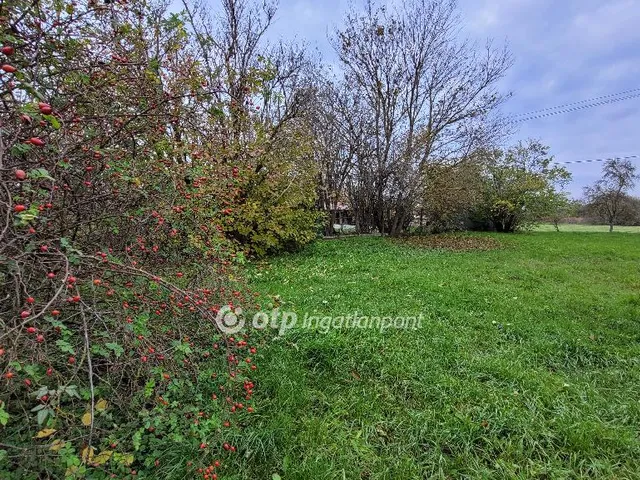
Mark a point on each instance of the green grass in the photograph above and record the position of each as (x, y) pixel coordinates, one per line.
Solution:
(527, 364)
(572, 227)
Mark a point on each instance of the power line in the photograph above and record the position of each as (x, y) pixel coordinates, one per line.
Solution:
(629, 157)
(581, 107)
(590, 100)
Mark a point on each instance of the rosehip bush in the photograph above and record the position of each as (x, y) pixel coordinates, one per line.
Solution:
(115, 176)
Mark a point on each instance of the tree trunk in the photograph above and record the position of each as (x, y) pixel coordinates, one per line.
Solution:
(328, 227)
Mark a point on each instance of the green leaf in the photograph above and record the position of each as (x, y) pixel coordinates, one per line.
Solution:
(115, 348)
(137, 440)
(217, 112)
(55, 123)
(65, 347)
(4, 416)
(26, 217)
(42, 415)
(19, 149)
(72, 391)
(98, 350)
(37, 173)
(44, 390)
(154, 64)
(123, 458)
(148, 388)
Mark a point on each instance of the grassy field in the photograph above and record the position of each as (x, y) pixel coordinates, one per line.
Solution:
(526, 365)
(572, 227)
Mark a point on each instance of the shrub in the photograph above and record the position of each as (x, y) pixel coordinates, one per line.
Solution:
(522, 186)
(278, 211)
(113, 258)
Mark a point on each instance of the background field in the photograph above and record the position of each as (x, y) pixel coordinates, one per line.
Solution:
(571, 227)
(527, 364)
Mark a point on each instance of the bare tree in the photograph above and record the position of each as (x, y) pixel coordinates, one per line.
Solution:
(340, 141)
(429, 96)
(607, 196)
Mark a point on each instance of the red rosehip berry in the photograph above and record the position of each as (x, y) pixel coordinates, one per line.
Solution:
(45, 108)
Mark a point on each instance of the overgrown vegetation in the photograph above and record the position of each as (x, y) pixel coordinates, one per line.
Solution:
(131, 149)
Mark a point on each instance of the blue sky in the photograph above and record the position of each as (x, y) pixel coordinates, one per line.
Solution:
(565, 51)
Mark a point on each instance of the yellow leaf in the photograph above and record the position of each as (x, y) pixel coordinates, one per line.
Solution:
(86, 419)
(101, 406)
(71, 471)
(87, 454)
(47, 432)
(102, 458)
(57, 445)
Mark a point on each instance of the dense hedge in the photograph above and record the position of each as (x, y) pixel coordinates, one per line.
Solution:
(121, 189)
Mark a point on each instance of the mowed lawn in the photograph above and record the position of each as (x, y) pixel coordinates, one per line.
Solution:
(527, 364)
